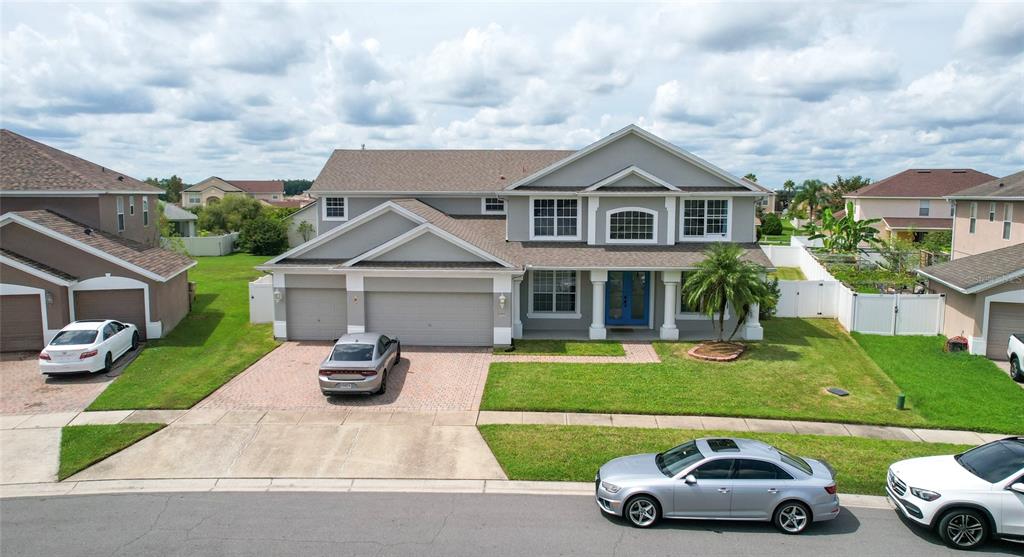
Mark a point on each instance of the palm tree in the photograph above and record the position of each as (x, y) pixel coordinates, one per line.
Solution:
(845, 234)
(722, 279)
(814, 193)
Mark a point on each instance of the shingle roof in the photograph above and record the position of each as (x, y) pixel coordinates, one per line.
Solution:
(1007, 186)
(27, 165)
(37, 265)
(162, 262)
(967, 274)
(259, 186)
(175, 213)
(919, 223)
(923, 182)
(430, 170)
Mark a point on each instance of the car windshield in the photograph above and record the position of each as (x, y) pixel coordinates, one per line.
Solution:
(65, 338)
(353, 353)
(795, 462)
(674, 460)
(995, 461)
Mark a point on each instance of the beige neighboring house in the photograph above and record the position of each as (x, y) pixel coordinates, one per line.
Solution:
(80, 241)
(913, 202)
(214, 189)
(984, 281)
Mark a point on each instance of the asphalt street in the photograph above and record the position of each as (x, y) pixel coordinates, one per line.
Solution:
(384, 524)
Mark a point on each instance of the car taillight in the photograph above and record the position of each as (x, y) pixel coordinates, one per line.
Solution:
(44, 356)
(87, 354)
(325, 372)
(368, 373)
(831, 489)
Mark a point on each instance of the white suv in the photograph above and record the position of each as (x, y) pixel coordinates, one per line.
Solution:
(966, 497)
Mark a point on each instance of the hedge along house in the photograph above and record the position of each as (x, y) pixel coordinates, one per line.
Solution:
(479, 247)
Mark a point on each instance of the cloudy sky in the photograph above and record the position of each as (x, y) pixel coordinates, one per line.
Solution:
(267, 90)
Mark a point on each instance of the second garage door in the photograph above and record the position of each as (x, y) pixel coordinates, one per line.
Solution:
(1004, 319)
(21, 323)
(316, 313)
(439, 319)
(126, 306)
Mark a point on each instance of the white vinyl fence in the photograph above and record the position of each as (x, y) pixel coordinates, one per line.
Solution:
(206, 245)
(261, 300)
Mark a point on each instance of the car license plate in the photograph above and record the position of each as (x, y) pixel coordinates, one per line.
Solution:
(345, 385)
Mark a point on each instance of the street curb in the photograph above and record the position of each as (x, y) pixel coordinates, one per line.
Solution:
(332, 485)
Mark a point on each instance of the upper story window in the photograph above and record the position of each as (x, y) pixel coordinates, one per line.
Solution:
(335, 208)
(1007, 219)
(952, 208)
(992, 211)
(145, 211)
(705, 219)
(632, 225)
(194, 199)
(120, 213)
(924, 208)
(554, 294)
(131, 204)
(493, 206)
(555, 219)
(974, 217)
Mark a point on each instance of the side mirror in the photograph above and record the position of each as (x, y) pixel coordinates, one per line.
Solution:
(1018, 487)
(690, 479)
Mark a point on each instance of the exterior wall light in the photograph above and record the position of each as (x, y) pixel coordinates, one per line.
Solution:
(278, 295)
(501, 302)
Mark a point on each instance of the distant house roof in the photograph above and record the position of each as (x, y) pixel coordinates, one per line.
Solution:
(924, 183)
(1011, 186)
(918, 223)
(430, 170)
(29, 166)
(250, 186)
(976, 273)
(175, 213)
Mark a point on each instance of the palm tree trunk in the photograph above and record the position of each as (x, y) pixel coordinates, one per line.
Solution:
(721, 323)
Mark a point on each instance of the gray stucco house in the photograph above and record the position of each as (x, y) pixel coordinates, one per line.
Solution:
(477, 247)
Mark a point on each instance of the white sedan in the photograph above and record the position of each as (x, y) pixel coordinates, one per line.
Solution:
(87, 346)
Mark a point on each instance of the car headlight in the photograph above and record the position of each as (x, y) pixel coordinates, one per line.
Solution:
(924, 494)
(610, 488)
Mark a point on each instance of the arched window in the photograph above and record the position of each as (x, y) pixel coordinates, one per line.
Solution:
(632, 225)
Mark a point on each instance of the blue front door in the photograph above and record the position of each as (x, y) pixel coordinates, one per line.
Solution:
(626, 298)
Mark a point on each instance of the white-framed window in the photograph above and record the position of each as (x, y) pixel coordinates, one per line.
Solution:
(145, 211)
(687, 312)
(274, 196)
(120, 213)
(1007, 219)
(492, 206)
(992, 211)
(335, 208)
(631, 225)
(554, 295)
(974, 217)
(952, 208)
(705, 219)
(554, 219)
(131, 204)
(194, 199)
(924, 208)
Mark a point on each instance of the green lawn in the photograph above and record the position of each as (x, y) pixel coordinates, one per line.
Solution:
(788, 273)
(955, 390)
(211, 345)
(785, 376)
(82, 446)
(574, 453)
(565, 348)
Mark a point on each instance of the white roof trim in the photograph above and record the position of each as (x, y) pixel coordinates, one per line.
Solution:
(11, 217)
(72, 193)
(416, 233)
(632, 170)
(978, 287)
(643, 134)
(34, 271)
(351, 224)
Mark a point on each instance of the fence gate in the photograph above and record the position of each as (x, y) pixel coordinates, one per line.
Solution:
(806, 298)
(898, 314)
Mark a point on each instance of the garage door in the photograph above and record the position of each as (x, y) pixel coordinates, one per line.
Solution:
(316, 313)
(439, 319)
(21, 323)
(1004, 319)
(127, 306)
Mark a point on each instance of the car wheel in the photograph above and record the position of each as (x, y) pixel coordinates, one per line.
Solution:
(963, 529)
(642, 511)
(383, 384)
(1016, 373)
(108, 363)
(135, 341)
(792, 517)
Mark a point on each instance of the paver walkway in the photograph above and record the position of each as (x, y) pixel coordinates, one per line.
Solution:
(636, 353)
(24, 390)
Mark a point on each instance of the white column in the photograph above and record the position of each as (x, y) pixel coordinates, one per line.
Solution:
(598, 279)
(670, 224)
(593, 202)
(517, 318)
(670, 280)
(752, 329)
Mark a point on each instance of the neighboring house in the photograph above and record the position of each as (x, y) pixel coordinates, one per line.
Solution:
(79, 241)
(308, 213)
(213, 189)
(913, 202)
(984, 281)
(183, 223)
(478, 247)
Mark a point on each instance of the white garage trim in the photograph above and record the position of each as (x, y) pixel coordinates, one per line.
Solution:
(154, 329)
(979, 344)
(19, 290)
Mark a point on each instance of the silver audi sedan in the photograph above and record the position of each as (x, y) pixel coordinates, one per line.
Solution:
(719, 478)
(359, 363)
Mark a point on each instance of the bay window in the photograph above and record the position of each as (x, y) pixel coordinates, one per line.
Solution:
(554, 294)
(554, 219)
(705, 219)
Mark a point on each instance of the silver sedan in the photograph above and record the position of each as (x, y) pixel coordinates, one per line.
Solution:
(719, 478)
(359, 363)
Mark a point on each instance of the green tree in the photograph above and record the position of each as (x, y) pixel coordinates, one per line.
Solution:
(937, 241)
(306, 230)
(844, 186)
(263, 236)
(295, 187)
(845, 234)
(771, 224)
(172, 187)
(751, 176)
(788, 185)
(230, 214)
(725, 279)
(814, 194)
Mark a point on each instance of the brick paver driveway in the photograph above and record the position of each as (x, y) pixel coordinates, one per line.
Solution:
(23, 390)
(427, 379)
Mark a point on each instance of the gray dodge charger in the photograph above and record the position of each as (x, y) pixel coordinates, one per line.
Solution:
(359, 363)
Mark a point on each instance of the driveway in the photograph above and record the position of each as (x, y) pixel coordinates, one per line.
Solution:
(427, 379)
(23, 390)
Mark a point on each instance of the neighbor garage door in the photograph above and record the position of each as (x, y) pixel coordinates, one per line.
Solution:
(1004, 319)
(21, 323)
(440, 319)
(126, 306)
(316, 313)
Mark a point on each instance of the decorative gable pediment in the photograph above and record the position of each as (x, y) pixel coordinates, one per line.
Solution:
(632, 178)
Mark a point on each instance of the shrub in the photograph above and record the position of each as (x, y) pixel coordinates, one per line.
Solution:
(771, 224)
(264, 236)
(230, 214)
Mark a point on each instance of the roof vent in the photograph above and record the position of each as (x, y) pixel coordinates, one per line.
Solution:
(502, 177)
(959, 172)
(1001, 184)
(87, 231)
(924, 171)
(120, 178)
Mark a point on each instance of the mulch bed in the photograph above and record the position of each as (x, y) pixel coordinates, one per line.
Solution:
(717, 351)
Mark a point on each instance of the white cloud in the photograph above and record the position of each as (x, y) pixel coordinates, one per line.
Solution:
(599, 57)
(993, 28)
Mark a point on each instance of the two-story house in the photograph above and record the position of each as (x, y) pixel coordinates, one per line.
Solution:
(468, 247)
(80, 241)
(913, 202)
(213, 189)
(984, 280)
